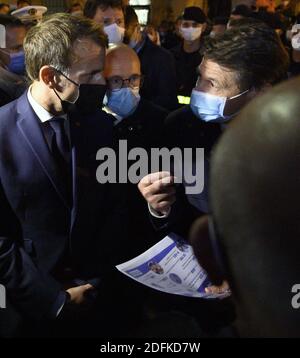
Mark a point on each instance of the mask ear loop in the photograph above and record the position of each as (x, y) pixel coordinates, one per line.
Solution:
(65, 76)
(69, 79)
(238, 95)
(231, 98)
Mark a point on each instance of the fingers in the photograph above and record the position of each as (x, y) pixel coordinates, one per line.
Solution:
(88, 287)
(150, 179)
(159, 191)
(157, 184)
(217, 290)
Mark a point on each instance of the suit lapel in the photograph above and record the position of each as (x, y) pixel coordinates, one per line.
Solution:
(30, 128)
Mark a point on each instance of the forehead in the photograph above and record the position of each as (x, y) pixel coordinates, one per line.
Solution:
(122, 65)
(15, 35)
(211, 69)
(110, 13)
(85, 48)
(190, 23)
(88, 54)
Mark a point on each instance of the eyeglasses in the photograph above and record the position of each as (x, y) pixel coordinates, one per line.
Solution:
(115, 83)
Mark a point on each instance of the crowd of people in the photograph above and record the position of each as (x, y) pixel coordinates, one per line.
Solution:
(73, 83)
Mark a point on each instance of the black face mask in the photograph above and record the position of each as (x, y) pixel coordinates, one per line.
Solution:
(90, 98)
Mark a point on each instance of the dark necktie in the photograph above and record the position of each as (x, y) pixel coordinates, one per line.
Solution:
(60, 145)
(61, 150)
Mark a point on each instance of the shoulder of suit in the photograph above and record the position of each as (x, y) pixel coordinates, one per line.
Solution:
(156, 50)
(150, 106)
(8, 112)
(180, 114)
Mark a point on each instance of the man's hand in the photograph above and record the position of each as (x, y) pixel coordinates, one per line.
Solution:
(159, 191)
(215, 290)
(78, 294)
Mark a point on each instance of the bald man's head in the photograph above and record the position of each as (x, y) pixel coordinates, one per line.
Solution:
(255, 180)
(122, 61)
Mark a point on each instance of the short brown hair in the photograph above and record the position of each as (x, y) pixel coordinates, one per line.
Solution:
(255, 52)
(51, 42)
(91, 6)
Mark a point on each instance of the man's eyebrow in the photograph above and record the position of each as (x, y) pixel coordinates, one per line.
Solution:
(214, 80)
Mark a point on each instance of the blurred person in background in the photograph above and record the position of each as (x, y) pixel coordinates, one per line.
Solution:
(219, 26)
(4, 9)
(30, 15)
(188, 54)
(76, 9)
(110, 14)
(157, 63)
(169, 34)
(12, 59)
(153, 34)
(240, 12)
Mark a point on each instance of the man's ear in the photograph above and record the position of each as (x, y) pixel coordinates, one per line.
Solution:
(201, 243)
(204, 27)
(262, 90)
(50, 77)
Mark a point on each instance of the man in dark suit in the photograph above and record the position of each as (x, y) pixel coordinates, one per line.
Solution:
(223, 88)
(140, 123)
(158, 64)
(50, 202)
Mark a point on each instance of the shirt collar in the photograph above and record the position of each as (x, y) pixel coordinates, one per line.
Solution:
(41, 112)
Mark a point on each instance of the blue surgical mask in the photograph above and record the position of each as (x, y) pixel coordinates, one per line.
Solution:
(123, 102)
(210, 108)
(17, 63)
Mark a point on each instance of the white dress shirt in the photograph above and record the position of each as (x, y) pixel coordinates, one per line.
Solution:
(43, 114)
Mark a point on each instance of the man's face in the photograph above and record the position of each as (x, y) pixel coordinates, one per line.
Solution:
(5, 10)
(87, 67)
(14, 42)
(110, 16)
(219, 81)
(187, 24)
(219, 29)
(124, 67)
(216, 80)
(14, 38)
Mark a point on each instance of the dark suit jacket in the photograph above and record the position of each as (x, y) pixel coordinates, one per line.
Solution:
(37, 224)
(142, 129)
(158, 67)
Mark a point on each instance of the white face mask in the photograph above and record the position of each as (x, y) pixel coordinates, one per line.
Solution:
(123, 102)
(289, 35)
(191, 33)
(296, 42)
(210, 108)
(115, 34)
